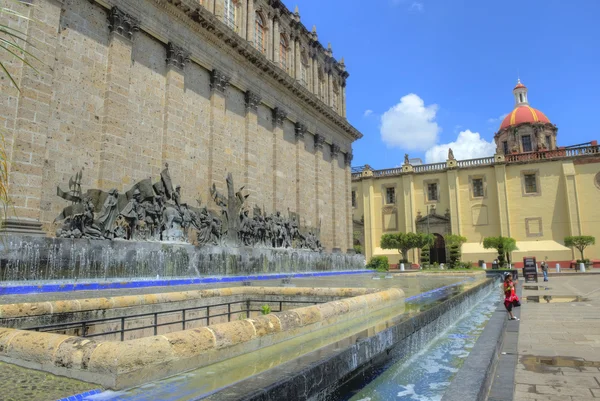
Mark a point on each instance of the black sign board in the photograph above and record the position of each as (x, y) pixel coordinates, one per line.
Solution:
(530, 270)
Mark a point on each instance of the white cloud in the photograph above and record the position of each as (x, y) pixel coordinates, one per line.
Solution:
(497, 120)
(410, 124)
(417, 6)
(367, 113)
(468, 145)
(414, 5)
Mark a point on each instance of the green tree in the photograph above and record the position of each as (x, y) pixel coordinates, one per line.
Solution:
(504, 246)
(425, 256)
(404, 242)
(580, 242)
(454, 243)
(379, 263)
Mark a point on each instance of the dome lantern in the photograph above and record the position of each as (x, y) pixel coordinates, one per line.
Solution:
(520, 93)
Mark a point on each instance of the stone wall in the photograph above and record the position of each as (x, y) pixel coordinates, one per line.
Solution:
(131, 85)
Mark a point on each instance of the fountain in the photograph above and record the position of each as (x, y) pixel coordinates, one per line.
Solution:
(149, 232)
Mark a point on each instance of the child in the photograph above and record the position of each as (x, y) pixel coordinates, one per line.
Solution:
(509, 295)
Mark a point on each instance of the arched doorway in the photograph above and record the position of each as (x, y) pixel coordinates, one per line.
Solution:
(438, 250)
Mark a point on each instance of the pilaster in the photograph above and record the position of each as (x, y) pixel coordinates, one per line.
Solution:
(252, 179)
(335, 152)
(315, 75)
(503, 206)
(343, 95)
(319, 142)
(369, 214)
(113, 154)
(297, 60)
(250, 21)
(300, 131)
(172, 144)
(454, 195)
(276, 39)
(217, 170)
(348, 156)
(279, 116)
(568, 170)
(329, 100)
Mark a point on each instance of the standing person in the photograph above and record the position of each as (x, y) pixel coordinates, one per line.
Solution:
(510, 297)
(544, 267)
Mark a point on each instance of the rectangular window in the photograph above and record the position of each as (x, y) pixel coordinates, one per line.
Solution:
(526, 141)
(530, 183)
(432, 192)
(353, 198)
(548, 142)
(477, 187)
(230, 14)
(390, 196)
(505, 147)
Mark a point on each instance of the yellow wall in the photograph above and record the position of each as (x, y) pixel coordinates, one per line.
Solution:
(565, 204)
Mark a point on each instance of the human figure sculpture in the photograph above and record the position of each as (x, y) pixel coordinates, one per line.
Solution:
(109, 214)
(450, 154)
(406, 159)
(90, 229)
(133, 213)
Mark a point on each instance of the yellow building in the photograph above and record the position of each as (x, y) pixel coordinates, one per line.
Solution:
(531, 190)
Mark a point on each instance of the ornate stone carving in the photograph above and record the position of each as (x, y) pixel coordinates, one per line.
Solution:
(319, 141)
(253, 99)
(348, 158)
(279, 115)
(450, 154)
(300, 130)
(219, 81)
(177, 56)
(123, 24)
(335, 150)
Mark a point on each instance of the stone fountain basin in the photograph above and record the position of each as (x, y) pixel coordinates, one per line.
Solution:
(122, 364)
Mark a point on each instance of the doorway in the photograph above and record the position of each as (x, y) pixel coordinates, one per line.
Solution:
(438, 250)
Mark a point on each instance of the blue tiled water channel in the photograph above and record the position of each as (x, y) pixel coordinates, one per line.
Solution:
(423, 376)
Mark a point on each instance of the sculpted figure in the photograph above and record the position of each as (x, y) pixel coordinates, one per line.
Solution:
(406, 159)
(109, 214)
(90, 229)
(133, 213)
(450, 154)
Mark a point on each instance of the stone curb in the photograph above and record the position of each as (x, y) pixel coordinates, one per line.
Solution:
(117, 364)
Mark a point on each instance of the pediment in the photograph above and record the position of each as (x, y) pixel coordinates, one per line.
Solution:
(433, 219)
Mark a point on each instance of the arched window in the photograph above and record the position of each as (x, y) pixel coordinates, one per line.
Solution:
(260, 34)
(283, 52)
(230, 14)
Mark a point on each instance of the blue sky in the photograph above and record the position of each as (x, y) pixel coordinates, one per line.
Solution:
(433, 69)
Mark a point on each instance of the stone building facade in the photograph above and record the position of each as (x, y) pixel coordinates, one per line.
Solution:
(209, 87)
(538, 196)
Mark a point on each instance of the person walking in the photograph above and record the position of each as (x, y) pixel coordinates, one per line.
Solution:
(510, 297)
(544, 267)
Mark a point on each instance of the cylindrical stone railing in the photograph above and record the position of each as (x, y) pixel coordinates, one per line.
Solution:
(558, 268)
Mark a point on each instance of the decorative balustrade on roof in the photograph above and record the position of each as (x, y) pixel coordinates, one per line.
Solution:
(488, 161)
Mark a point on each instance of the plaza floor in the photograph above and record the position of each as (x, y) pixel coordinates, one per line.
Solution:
(558, 351)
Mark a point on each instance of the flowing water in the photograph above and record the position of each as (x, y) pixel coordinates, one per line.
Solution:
(424, 373)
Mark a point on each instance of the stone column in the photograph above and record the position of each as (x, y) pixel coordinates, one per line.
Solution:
(300, 130)
(173, 147)
(370, 222)
(348, 156)
(216, 151)
(28, 154)
(269, 39)
(219, 9)
(275, 47)
(251, 21)
(252, 179)
(279, 116)
(408, 187)
(243, 9)
(113, 156)
(335, 152)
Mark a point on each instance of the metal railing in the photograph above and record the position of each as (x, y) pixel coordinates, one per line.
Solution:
(83, 327)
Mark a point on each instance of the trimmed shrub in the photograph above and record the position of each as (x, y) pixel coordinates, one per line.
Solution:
(379, 263)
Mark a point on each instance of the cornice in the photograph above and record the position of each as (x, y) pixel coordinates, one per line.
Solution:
(525, 124)
(223, 35)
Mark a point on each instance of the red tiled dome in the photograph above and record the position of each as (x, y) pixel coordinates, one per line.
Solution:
(523, 114)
